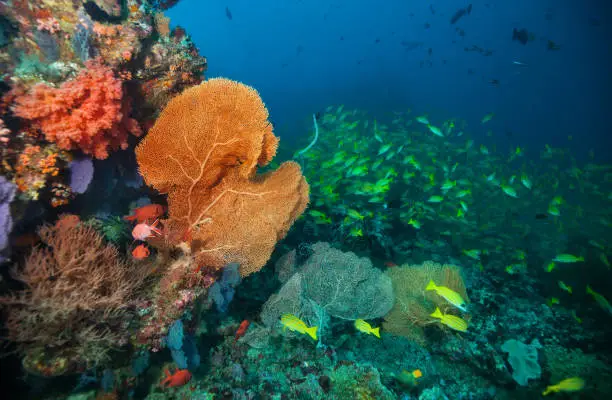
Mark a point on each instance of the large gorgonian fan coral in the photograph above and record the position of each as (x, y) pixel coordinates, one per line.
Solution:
(203, 151)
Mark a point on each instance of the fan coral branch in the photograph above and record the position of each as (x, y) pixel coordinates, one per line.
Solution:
(215, 195)
(413, 304)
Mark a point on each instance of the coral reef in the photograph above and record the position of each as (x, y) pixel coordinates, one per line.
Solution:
(109, 314)
(60, 57)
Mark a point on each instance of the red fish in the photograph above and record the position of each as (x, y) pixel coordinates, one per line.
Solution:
(150, 212)
(244, 325)
(141, 252)
(390, 264)
(178, 378)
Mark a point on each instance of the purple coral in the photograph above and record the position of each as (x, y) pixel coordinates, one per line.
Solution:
(81, 174)
(7, 193)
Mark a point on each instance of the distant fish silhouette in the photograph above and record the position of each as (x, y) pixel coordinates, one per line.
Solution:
(460, 13)
(228, 13)
(521, 35)
(552, 45)
(594, 21)
(484, 52)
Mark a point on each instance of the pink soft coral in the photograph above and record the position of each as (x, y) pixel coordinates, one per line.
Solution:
(89, 112)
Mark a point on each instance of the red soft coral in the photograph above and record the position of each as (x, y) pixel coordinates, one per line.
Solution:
(89, 112)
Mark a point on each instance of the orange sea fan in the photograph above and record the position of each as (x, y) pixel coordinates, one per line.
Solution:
(203, 151)
(413, 304)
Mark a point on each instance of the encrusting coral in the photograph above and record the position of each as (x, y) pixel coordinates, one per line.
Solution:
(203, 151)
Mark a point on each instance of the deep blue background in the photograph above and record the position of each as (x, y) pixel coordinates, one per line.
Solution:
(292, 52)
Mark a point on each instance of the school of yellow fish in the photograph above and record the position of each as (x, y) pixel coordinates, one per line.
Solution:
(500, 209)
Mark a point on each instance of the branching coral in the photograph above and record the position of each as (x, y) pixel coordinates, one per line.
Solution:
(413, 305)
(75, 306)
(89, 112)
(203, 151)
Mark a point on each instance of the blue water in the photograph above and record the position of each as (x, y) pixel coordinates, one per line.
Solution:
(305, 55)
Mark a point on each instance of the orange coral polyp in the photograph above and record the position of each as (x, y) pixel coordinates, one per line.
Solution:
(220, 134)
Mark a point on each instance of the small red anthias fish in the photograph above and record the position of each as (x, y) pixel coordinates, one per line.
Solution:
(141, 252)
(390, 264)
(244, 325)
(150, 212)
(143, 231)
(178, 378)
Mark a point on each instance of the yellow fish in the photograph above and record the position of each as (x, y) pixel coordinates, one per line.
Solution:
(451, 321)
(297, 325)
(565, 287)
(567, 385)
(602, 301)
(448, 294)
(487, 118)
(568, 258)
(364, 327)
(409, 379)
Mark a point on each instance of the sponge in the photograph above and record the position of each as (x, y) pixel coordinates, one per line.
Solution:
(523, 359)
